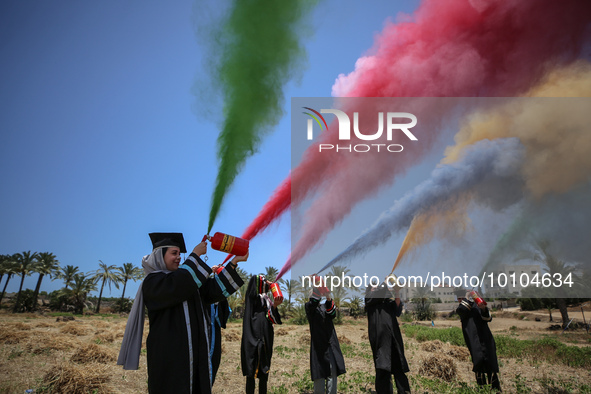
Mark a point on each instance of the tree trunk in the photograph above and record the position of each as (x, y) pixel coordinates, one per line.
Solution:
(98, 305)
(5, 284)
(36, 295)
(18, 296)
(561, 303)
(124, 286)
(550, 313)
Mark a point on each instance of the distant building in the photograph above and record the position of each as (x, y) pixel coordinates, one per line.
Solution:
(444, 292)
(511, 279)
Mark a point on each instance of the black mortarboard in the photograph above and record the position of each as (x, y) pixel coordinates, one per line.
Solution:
(168, 239)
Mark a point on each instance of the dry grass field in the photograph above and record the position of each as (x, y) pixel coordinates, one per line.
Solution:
(42, 354)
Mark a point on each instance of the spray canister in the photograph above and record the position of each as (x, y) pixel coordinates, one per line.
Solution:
(477, 299)
(319, 284)
(277, 295)
(228, 244)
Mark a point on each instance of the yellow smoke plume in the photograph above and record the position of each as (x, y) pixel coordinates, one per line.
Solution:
(453, 221)
(555, 133)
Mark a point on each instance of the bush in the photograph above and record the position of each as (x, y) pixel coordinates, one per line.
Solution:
(26, 301)
(423, 311)
(122, 305)
(58, 301)
(299, 315)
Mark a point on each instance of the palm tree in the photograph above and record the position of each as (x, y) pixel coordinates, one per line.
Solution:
(25, 261)
(81, 286)
(3, 259)
(339, 293)
(9, 267)
(128, 271)
(292, 286)
(67, 274)
(107, 275)
(271, 273)
(46, 265)
(422, 299)
(554, 266)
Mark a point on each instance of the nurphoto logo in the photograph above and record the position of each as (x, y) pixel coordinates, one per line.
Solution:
(393, 125)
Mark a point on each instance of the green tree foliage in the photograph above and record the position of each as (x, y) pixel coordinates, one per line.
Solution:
(271, 273)
(422, 300)
(553, 265)
(289, 287)
(106, 274)
(46, 264)
(77, 296)
(8, 267)
(127, 272)
(67, 274)
(356, 306)
(25, 264)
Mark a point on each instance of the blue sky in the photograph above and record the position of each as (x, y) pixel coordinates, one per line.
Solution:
(101, 143)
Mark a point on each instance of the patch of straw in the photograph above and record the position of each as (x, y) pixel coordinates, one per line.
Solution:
(92, 353)
(76, 380)
(439, 366)
(74, 330)
(11, 338)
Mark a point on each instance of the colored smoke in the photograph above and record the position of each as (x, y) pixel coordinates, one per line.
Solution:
(260, 52)
(483, 164)
(453, 48)
(555, 135)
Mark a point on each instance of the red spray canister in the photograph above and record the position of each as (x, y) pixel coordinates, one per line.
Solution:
(276, 291)
(228, 244)
(477, 299)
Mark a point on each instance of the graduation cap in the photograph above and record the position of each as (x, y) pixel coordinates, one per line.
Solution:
(168, 239)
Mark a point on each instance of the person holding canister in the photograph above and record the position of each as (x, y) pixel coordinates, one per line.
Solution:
(176, 296)
(326, 359)
(475, 316)
(385, 338)
(256, 348)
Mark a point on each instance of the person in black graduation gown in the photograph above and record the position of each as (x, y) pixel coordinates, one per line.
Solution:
(256, 348)
(176, 296)
(480, 342)
(326, 359)
(386, 340)
(217, 316)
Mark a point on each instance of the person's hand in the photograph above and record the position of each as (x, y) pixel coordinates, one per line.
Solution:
(200, 249)
(238, 259)
(215, 268)
(277, 301)
(482, 306)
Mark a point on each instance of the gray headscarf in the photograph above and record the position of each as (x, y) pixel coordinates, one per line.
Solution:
(129, 355)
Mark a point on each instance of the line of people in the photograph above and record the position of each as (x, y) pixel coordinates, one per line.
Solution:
(187, 308)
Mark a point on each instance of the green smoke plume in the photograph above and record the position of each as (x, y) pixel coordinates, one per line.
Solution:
(259, 53)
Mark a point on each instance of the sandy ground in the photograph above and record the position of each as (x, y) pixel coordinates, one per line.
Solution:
(31, 345)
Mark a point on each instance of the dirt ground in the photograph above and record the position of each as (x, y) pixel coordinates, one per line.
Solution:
(80, 355)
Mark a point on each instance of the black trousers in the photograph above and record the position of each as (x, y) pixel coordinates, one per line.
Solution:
(263, 377)
(384, 382)
(491, 378)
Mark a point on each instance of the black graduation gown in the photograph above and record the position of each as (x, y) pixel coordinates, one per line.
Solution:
(171, 338)
(383, 330)
(324, 340)
(478, 337)
(217, 315)
(256, 348)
